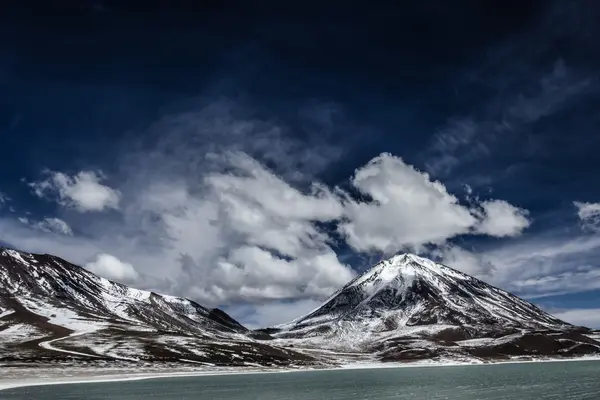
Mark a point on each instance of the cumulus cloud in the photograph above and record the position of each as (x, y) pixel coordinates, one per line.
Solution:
(110, 267)
(50, 225)
(259, 274)
(249, 235)
(409, 210)
(501, 218)
(84, 191)
(589, 214)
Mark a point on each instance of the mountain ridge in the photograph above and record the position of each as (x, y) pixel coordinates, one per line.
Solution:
(406, 308)
(50, 308)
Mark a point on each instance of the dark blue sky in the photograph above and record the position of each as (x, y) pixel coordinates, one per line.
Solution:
(501, 96)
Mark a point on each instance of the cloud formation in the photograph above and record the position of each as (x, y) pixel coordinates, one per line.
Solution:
(110, 267)
(547, 265)
(584, 278)
(49, 225)
(227, 211)
(464, 260)
(407, 209)
(242, 233)
(501, 219)
(249, 236)
(83, 192)
(589, 215)
(589, 317)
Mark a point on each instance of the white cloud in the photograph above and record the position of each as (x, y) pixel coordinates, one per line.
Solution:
(589, 214)
(250, 236)
(409, 210)
(83, 192)
(547, 265)
(55, 225)
(110, 267)
(259, 274)
(78, 249)
(465, 261)
(50, 225)
(269, 212)
(501, 218)
(588, 317)
(579, 280)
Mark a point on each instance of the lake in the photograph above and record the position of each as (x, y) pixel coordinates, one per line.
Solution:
(555, 380)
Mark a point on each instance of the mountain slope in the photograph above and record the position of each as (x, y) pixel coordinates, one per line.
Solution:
(405, 308)
(411, 303)
(51, 309)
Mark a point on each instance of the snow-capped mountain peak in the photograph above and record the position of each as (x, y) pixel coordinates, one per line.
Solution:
(411, 308)
(400, 270)
(407, 292)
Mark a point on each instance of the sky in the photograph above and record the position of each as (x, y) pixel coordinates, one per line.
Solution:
(258, 157)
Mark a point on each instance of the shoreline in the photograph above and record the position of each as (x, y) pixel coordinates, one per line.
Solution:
(17, 383)
(115, 376)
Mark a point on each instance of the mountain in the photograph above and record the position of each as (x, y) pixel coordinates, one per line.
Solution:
(403, 309)
(52, 310)
(409, 307)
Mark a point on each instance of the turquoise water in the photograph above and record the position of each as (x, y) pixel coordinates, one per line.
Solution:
(558, 380)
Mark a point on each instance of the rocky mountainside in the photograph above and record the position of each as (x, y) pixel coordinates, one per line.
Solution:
(410, 307)
(51, 310)
(403, 309)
